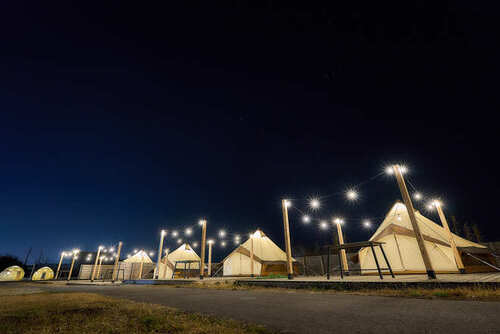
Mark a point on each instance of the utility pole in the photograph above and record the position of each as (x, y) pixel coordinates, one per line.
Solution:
(63, 254)
(411, 212)
(343, 256)
(75, 253)
(117, 260)
(95, 264)
(203, 223)
(284, 205)
(160, 250)
(453, 245)
(210, 243)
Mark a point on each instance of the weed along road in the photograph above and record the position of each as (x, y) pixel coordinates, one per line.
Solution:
(293, 311)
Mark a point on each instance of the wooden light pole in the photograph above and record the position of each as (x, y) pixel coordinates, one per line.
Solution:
(453, 245)
(117, 260)
(75, 253)
(411, 212)
(99, 267)
(160, 250)
(203, 223)
(284, 205)
(63, 254)
(251, 255)
(141, 266)
(210, 243)
(95, 264)
(166, 264)
(343, 256)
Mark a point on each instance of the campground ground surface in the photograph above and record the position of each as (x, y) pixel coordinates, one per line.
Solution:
(296, 311)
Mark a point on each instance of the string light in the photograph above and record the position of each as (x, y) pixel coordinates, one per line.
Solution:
(417, 196)
(389, 170)
(175, 233)
(223, 244)
(195, 245)
(288, 203)
(210, 242)
(338, 221)
(222, 233)
(151, 253)
(201, 222)
(323, 225)
(403, 169)
(314, 203)
(135, 250)
(179, 241)
(306, 219)
(188, 231)
(367, 223)
(352, 194)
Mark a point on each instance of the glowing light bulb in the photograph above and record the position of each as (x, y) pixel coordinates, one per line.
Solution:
(179, 241)
(306, 219)
(163, 233)
(151, 253)
(314, 203)
(210, 242)
(403, 169)
(367, 223)
(288, 203)
(417, 196)
(223, 244)
(195, 244)
(222, 233)
(389, 170)
(323, 225)
(188, 231)
(135, 250)
(201, 222)
(352, 194)
(175, 233)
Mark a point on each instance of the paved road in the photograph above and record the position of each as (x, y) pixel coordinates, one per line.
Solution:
(307, 312)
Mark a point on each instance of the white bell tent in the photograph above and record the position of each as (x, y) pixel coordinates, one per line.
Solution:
(139, 257)
(401, 246)
(268, 258)
(184, 253)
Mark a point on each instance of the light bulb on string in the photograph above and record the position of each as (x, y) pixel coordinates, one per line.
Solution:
(323, 225)
(417, 196)
(306, 219)
(367, 223)
(352, 194)
(188, 231)
(314, 203)
(222, 233)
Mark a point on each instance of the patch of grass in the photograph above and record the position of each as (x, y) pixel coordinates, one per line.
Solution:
(91, 313)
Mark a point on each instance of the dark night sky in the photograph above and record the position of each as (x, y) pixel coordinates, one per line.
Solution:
(120, 119)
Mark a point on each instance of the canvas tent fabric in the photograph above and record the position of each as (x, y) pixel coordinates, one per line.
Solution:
(139, 257)
(268, 258)
(42, 274)
(401, 246)
(184, 253)
(13, 273)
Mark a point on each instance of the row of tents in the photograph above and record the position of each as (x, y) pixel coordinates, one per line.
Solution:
(395, 232)
(16, 273)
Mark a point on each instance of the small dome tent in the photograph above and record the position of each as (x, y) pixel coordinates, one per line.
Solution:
(188, 263)
(43, 274)
(13, 273)
(268, 258)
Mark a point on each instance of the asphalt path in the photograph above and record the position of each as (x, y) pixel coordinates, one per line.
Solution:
(316, 312)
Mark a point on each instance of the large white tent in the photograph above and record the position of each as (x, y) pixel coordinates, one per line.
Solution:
(268, 258)
(401, 248)
(184, 253)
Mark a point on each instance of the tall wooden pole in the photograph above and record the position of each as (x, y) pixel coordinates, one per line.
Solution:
(99, 267)
(343, 256)
(251, 255)
(210, 258)
(286, 227)
(453, 245)
(411, 212)
(166, 264)
(160, 250)
(141, 267)
(203, 239)
(59, 265)
(95, 264)
(117, 261)
(72, 264)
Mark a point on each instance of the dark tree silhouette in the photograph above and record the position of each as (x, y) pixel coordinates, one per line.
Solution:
(9, 260)
(477, 233)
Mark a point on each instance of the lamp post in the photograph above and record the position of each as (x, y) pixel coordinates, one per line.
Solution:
(160, 251)
(284, 205)
(95, 264)
(343, 255)
(203, 223)
(411, 212)
(453, 245)
(63, 254)
(75, 256)
(117, 260)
